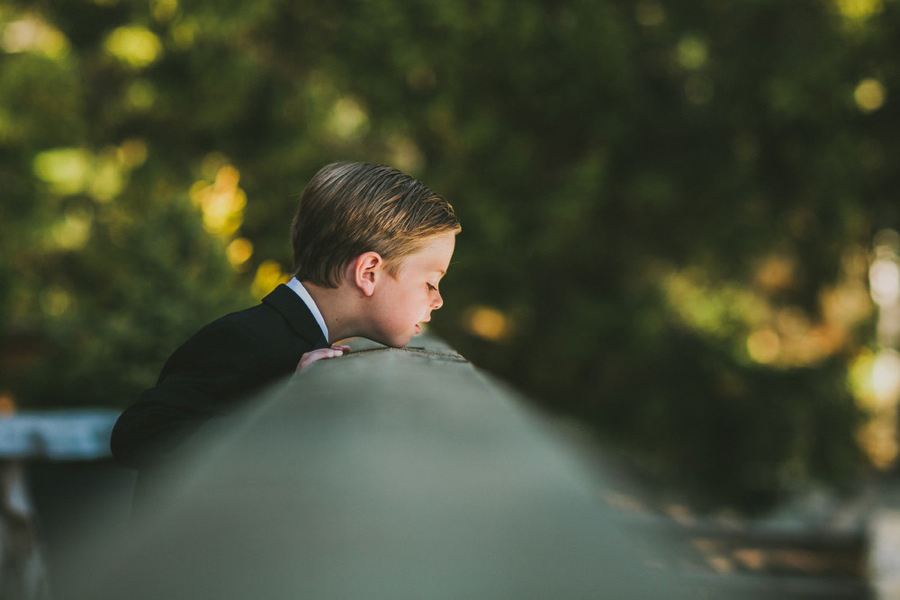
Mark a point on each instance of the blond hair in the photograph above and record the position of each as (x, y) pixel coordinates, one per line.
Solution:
(347, 209)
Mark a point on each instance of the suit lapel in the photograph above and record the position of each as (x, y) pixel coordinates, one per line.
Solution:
(285, 301)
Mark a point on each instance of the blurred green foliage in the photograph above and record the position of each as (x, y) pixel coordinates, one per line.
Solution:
(658, 198)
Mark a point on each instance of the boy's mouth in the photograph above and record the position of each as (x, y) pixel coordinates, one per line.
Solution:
(418, 328)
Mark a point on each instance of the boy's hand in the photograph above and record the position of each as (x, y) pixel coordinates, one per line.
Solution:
(312, 356)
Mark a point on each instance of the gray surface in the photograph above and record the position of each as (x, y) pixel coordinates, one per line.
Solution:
(384, 474)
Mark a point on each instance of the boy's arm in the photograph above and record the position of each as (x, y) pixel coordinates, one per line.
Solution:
(147, 432)
(219, 365)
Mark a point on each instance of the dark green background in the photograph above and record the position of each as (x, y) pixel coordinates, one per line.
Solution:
(602, 156)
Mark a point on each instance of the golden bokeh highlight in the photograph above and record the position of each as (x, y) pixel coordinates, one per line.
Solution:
(348, 119)
(713, 308)
(102, 175)
(239, 251)
(875, 375)
(7, 404)
(773, 333)
(269, 274)
(133, 45)
(764, 346)
(132, 153)
(776, 272)
(691, 52)
(869, 95)
(878, 439)
(107, 177)
(221, 202)
(32, 34)
(885, 377)
(859, 10)
(66, 170)
(164, 10)
(487, 323)
(72, 231)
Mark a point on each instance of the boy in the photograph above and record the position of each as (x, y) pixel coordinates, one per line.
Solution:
(370, 246)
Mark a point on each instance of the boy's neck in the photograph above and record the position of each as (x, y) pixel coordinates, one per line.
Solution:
(338, 309)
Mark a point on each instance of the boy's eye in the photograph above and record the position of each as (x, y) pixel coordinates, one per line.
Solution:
(432, 288)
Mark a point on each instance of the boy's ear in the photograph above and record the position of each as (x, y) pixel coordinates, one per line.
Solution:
(367, 269)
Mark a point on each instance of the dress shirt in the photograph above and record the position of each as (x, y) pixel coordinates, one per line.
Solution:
(301, 291)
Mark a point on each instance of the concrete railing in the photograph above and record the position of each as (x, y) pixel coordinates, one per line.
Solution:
(389, 474)
(385, 474)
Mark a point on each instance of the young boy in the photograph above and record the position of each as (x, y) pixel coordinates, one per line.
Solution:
(371, 245)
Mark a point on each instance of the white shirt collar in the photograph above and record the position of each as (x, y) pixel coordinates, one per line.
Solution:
(301, 291)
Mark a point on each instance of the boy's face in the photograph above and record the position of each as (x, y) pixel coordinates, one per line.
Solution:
(402, 301)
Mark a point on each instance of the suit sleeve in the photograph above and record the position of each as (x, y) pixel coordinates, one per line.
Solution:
(204, 378)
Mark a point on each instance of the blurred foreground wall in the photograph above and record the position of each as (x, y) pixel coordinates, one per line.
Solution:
(383, 474)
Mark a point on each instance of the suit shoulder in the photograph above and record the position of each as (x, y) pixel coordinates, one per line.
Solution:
(257, 322)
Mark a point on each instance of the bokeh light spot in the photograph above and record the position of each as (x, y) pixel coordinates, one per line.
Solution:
(268, 275)
(65, 169)
(72, 231)
(239, 251)
(691, 52)
(764, 346)
(32, 34)
(135, 46)
(164, 10)
(222, 203)
(487, 323)
(132, 153)
(348, 118)
(859, 10)
(869, 95)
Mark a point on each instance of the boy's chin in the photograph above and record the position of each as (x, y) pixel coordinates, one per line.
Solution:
(398, 343)
(392, 342)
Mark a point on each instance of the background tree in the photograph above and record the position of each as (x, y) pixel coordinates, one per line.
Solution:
(666, 208)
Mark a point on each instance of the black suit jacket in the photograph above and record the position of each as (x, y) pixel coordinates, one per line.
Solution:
(223, 363)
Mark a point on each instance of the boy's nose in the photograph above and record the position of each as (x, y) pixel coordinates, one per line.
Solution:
(437, 302)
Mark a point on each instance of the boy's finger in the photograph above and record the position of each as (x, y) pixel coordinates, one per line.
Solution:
(320, 354)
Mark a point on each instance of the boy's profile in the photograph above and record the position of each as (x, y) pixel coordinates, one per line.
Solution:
(370, 245)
